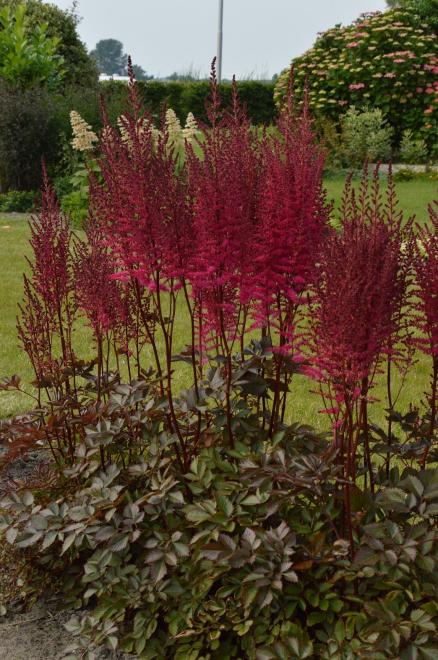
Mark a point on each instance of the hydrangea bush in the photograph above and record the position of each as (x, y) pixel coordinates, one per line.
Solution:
(384, 60)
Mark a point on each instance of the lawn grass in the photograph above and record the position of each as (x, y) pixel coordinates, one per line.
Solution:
(304, 406)
(414, 196)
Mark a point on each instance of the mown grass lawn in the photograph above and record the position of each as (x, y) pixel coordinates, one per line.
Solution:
(414, 198)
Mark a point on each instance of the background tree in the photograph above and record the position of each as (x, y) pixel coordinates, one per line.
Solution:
(140, 73)
(27, 59)
(109, 57)
(79, 67)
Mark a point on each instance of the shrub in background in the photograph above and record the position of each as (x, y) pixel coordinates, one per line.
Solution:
(185, 97)
(34, 110)
(423, 11)
(365, 137)
(29, 132)
(412, 150)
(60, 25)
(383, 60)
(27, 59)
(18, 201)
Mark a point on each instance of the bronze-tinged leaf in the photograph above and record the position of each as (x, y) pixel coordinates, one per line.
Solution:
(317, 542)
(304, 565)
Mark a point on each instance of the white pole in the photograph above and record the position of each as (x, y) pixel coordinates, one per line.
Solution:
(220, 40)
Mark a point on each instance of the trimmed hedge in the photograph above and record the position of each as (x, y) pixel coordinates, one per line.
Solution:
(35, 124)
(184, 97)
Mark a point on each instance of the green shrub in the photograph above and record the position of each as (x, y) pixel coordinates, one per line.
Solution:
(27, 58)
(60, 25)
(410, 175)
(412, 150)
(237, 558)
(423, 11)
(382, 60)
(18, 201)
(29, 132)
(331, 139)
(35, 125)
(365, 137)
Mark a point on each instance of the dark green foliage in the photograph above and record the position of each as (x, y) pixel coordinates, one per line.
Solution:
(16, 201)
(425, 11)
(241, 555)
(185, 97)
(34, 125)
(29, 132)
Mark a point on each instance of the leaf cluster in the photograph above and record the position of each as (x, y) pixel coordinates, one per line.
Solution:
(240, 556)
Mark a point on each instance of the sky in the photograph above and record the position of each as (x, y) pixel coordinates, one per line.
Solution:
(260, 36)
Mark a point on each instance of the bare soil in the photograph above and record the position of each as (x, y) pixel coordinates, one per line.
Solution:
(37, 633)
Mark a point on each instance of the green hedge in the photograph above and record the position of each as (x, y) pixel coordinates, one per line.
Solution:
(35, 124)
(183, 97)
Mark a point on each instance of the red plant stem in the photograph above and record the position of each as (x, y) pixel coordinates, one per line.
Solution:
(193, 332)
(348, 476)
(278, 360)
(66, 362)
(275, 403)
(116, 354)
(168, 349)
(433, 410)
(229, 374)
(390, 406)
(366, 432)
(193, 356)
(99, 387)
(287, 380)
(242, 334)
(150, 336)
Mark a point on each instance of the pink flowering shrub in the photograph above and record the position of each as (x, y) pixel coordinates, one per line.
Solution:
(381, 60)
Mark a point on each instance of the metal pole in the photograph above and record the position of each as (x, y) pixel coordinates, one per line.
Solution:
(220, 40)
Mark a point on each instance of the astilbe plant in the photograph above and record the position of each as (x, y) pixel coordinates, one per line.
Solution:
(426, 266)
(356, 321)
(48, 311)
(200, 523)
(293, 221)
(142, 208)
(102, 301)
(224, 185)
